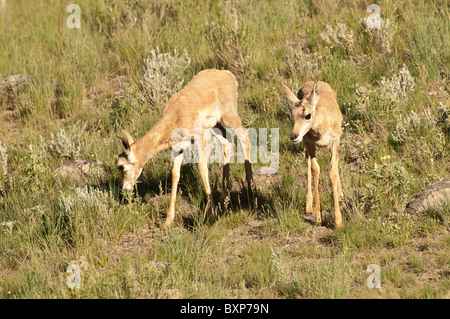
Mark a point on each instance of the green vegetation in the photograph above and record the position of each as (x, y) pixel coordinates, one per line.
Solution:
(393, 89)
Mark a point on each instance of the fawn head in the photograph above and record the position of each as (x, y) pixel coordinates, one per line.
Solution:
(302, 112)
(127, 163)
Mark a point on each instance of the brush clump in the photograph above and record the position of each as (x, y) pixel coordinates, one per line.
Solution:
(382, 37)
(162, 76)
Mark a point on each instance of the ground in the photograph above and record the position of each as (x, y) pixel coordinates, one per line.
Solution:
(60, 197)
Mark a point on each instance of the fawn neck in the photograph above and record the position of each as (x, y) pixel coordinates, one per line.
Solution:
(154, 141)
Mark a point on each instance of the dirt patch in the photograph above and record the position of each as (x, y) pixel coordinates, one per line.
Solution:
(140, 242)
(269, 181)
(426, 250)
(238, 239)
(184, 209)
(313, 236)
(143, 239)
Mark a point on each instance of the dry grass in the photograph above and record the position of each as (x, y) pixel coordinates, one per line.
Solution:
(117, 71)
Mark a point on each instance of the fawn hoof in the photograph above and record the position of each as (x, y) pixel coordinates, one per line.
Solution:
(318, 217)
(168, 223)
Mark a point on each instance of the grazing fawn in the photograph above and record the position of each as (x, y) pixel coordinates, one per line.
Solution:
(317, 122)
(211, 96)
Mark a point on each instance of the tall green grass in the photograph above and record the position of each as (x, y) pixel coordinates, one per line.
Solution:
(266, 250)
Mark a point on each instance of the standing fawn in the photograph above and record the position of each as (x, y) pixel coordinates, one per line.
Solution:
(211, 96)
(318, 121)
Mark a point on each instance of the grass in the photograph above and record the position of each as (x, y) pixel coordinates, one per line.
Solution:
(395, 143)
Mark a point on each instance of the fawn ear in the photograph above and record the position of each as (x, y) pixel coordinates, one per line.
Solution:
(314, 98)
(124, 144)
(126, 141)
(291, 96)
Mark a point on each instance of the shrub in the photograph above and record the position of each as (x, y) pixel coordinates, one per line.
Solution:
(399, 84)
(85, 214)
(63, 144)
(162, 76)
(405, 127)
(86, 199)
(389, 183)
(301, 65)
(414, 126)
(370, 106)
(338, 35)
(375, 103)
(381, 37)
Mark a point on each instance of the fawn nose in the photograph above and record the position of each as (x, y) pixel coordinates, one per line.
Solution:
(293, 136)
(126, 187)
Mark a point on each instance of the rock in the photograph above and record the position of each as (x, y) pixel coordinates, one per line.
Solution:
(79, 168)
(434, 197)
(158, 265)
(13, 81)
(9, 87)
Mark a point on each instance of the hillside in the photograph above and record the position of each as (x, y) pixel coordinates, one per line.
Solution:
(75, 88)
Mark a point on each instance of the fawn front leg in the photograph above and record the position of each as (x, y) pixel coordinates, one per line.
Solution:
(309, 196)
(173, 196)
(203, 169)
(313, 167)
(316, 171)
(334, 177)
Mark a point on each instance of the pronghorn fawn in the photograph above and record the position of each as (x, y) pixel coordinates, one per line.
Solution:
(317, 122)
(211, 96)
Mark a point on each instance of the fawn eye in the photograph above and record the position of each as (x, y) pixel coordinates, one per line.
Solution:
(120, 167)
(308, 116)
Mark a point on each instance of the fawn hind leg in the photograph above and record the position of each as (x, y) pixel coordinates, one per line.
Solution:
(233, 120)
(226, 148)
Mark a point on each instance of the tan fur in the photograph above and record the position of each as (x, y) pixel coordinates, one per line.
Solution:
(323, 129)
(211, 96)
